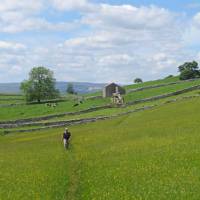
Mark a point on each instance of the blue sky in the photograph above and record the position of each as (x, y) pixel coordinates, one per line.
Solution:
(98, 40)
(187, 6)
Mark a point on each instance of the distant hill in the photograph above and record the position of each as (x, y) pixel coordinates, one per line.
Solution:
(80, 87)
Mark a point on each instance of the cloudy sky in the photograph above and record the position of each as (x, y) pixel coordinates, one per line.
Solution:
(98, 40)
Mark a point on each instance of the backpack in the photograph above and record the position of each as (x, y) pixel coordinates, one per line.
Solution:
(68, 135)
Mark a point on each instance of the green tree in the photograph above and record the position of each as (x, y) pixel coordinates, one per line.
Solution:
(169, 76)
(40, 85)
(138, 80)
(70, 89)
(189, 70)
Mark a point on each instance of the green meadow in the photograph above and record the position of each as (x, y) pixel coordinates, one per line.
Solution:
(146, 155)
(154, 82)
(36, 110)
(144, 84)
(11, 99)
(153, 154)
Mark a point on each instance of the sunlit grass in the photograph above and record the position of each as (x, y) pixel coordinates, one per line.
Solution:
(26, 111)
(149, 155)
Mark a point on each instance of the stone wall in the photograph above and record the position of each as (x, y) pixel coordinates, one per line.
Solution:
(94, 119)
(159, 85)
(150, 87)
(196, 87)
(34, 102)
(76, 121)
(31, 120)
(94, 97)
(23, 121)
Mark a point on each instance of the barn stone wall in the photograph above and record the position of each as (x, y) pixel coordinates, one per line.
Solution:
(110, 89)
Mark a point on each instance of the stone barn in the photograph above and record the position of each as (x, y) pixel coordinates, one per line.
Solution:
(113, 88)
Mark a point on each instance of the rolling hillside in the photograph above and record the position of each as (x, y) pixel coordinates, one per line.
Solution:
(81, 88)
(147, 149)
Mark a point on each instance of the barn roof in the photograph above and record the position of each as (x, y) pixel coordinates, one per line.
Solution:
(112, 84)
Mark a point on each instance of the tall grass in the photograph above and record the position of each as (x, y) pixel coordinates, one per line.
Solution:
(33, 167)
(149, 155)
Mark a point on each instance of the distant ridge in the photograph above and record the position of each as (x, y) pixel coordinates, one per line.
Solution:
(80, 87)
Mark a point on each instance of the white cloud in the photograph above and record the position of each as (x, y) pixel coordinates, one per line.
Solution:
(129, 17)
(80, 5)
(197, 19)
(119, 42)
(125, 41)
(22, 5)
(15, 70)
(11, 46)
(15, 13)
(192, 32)
(20, 16)
(37, 24)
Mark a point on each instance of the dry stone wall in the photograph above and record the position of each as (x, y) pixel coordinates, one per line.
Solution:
(33, 121)
(76, 121)
(94, 97)
(94, 119)
(159, 85)
(21, 121)
(196, 87)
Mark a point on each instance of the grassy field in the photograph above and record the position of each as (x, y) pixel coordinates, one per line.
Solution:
(154, 82)
(29, 172)
(144, 84)
(12, 112)
(152, 154)
(36, 110)
(148, 155)
(158, 91)
(109, 111)
(11, 99)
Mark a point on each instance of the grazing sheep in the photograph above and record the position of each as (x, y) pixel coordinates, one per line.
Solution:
(52, 105)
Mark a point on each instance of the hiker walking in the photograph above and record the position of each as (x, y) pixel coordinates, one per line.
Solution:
(66, 137)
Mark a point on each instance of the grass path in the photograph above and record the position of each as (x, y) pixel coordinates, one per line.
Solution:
(74, 168)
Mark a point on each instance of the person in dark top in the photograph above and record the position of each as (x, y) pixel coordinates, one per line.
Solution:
(66, 137)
